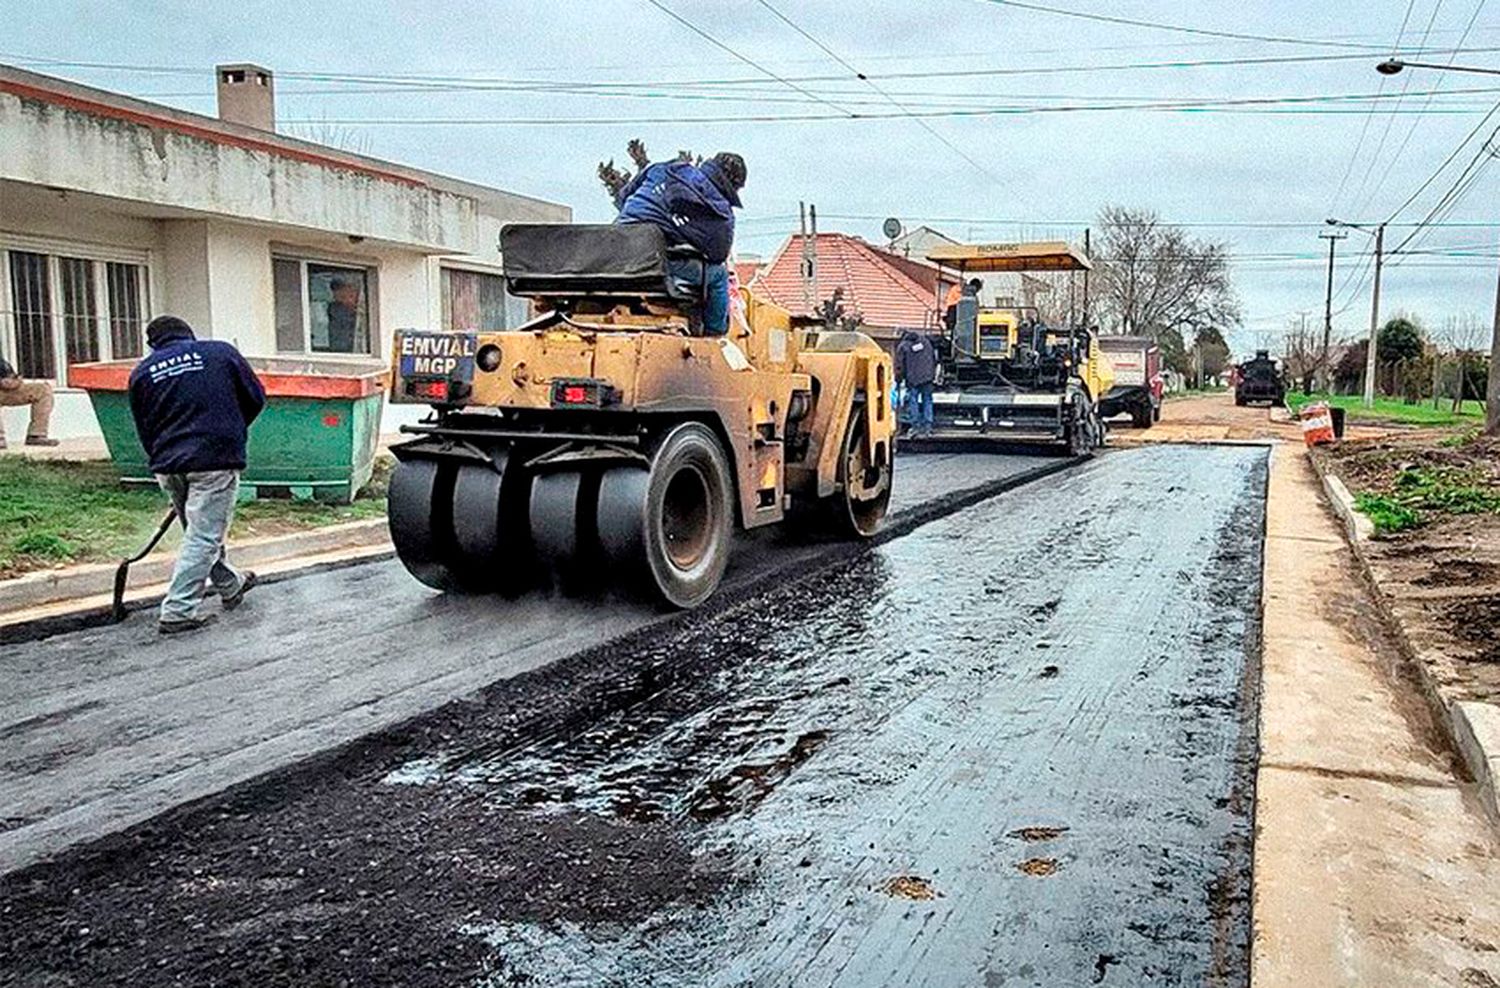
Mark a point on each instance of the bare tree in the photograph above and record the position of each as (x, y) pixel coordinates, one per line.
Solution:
(615, 179)
(334, 136)
(1152, 278)
(1302, 353)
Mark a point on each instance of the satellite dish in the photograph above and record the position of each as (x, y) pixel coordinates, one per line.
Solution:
(892, 228)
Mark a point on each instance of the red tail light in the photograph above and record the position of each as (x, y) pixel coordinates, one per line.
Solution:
(431, 390)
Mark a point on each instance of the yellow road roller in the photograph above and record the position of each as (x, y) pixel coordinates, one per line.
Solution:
(608, 444)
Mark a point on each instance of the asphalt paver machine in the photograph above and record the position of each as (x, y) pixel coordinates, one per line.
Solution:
(608, 444)
(1004, 372)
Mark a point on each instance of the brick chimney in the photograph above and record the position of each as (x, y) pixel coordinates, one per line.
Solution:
(247, 95)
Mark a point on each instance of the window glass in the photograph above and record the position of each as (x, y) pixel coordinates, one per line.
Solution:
(287, 279)
(338, 309)
(79, 310)
(126, 313)
(473, 301)
(31, 301)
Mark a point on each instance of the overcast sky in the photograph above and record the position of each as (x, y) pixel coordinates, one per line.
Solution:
(1260, 176)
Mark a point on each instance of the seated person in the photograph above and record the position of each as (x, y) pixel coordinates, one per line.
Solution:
(37, 394)
(692, 205)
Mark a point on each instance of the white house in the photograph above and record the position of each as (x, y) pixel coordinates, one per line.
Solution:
(114, 209)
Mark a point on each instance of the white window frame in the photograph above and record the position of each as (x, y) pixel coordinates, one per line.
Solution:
(302, 258)
(97, 255)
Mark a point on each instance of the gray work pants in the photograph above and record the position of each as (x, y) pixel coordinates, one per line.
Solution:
(205, 506)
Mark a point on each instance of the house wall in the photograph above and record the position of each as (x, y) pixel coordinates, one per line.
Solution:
(204, 206)
(106, 150)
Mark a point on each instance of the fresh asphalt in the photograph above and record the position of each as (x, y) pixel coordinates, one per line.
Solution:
(105, 727)
(1014, 746)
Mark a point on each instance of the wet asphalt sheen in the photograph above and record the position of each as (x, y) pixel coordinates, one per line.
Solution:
(1013, 747)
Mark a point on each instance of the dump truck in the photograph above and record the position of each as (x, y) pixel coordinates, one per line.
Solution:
(608, 443)
(1138, 382)
(1259, 379)
(1004, 372)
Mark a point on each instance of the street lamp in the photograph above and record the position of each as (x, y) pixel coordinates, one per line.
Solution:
(1492, 389)
(1393, 65)
(1369, 397)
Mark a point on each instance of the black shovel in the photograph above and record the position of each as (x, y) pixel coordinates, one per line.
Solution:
(117, 612)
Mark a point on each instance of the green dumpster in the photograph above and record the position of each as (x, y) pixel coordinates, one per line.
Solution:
(316, 437)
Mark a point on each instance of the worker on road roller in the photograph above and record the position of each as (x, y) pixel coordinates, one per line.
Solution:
(693, 205)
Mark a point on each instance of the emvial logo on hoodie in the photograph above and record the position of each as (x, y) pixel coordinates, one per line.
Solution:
(176, 365)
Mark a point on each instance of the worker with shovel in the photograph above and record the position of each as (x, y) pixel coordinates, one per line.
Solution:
(193, 401)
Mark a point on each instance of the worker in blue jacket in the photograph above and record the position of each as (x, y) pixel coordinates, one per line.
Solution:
(694, 205)
(193, 401)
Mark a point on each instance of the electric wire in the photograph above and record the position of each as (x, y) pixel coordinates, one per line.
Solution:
(1390, 119)
(933, 131)
(1180, 28)
(1365, 128)
(743, 58)
(1417, 119)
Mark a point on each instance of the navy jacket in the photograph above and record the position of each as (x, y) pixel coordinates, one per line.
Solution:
(193, 401)
(916, 360)
(678, 197)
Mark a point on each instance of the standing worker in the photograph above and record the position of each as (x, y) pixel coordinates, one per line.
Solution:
(37, 394)
(916, 368)
(193, 401)
(693, 205)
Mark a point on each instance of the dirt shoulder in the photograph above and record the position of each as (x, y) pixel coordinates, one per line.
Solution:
(1215, 418)
(1435, 499)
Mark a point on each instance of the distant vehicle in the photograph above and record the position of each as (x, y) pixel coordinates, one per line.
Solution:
(1138, 380)
(1259, 380)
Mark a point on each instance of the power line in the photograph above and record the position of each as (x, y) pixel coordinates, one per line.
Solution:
(1445, 163)
(458, 83)
(893, 101)
(743, 58)
(1180, 28)
(1390, 119)
(1417, 120)
(1365, 127)
(1321, 102)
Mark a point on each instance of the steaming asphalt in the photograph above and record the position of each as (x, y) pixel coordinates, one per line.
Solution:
(1013, 746)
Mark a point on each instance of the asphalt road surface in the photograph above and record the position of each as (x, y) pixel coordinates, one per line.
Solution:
(103, 728)
(1012, 747)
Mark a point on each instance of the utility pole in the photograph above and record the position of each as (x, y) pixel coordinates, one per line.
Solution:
(1492, 391)
(808, 302)
(1333, 237)
(1369, 401)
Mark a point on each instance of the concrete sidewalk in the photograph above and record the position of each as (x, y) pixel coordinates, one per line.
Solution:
(1374, 864)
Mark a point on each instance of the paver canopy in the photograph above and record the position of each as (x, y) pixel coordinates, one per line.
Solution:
(1044, 256)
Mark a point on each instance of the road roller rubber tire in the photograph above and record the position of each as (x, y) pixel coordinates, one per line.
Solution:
(666, 531)
(491, 529)
(563, 528)
(420, 513)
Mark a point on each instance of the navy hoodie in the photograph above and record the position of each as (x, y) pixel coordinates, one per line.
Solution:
(683, 200)
(193, 401)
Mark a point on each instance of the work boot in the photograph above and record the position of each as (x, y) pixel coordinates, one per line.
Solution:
(181, 625)
(248, 579)
(41, 441)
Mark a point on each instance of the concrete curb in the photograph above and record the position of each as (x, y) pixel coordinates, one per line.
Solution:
(1476, 731)
(34, 590)
(1356, 526)
(1473, 728)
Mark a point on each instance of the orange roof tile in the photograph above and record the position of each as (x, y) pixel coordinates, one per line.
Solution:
(876, 284)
